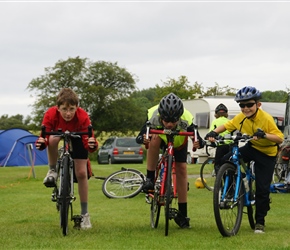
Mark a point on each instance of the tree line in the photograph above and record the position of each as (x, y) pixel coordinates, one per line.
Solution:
(109, 94)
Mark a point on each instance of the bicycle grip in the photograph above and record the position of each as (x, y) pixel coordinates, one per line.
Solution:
(43, 133)
(90, 131)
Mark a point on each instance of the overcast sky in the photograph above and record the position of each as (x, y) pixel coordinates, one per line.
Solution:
(225, 42)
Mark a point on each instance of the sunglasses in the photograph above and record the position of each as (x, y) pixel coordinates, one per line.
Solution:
(248, 105)
(170, 120)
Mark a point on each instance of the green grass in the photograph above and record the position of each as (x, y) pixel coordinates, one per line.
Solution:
(29, 219)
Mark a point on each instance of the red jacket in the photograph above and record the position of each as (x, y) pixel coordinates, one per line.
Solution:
(53, 121)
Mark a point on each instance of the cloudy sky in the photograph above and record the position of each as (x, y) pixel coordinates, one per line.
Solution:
(233, 43)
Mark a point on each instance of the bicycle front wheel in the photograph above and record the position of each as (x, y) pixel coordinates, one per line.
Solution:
(155, 207)
(65, 195)
(207, 174)
(168, 193)
(123, 184)
(227, 211)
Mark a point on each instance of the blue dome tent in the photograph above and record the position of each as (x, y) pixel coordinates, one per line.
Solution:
(17, 148)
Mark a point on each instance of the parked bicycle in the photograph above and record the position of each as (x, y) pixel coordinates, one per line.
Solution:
(63, 191)
(125, 183)
(282, 167)
(207, 171)
(234, 188)
(165, 180)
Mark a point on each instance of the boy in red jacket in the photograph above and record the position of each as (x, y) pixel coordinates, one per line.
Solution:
(67, 115)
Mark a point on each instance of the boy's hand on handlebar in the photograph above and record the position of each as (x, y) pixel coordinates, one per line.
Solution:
(40, 143)
(195, 145)
(92, 143)
(211, 136)
(259, 134)
(146, 141)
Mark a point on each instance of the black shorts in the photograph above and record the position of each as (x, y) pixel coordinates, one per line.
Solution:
(78, 149)
(180, 154)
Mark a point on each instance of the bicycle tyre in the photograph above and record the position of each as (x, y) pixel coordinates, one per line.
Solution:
(123, 184)
(65, 195)
(280, 172)
(207, 174)
(228, 219)
(168, 193)
(155, 207)
(251, 209)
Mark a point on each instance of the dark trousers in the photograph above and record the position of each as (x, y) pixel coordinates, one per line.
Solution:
(264, 168)
(220, 152)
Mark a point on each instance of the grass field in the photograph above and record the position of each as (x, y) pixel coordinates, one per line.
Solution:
(29, 219)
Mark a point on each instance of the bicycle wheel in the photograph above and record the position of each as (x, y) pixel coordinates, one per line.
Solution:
(251, 209)
(207, 174)
(228, 213)
(168, 192)
(280, 172)
(155, 207)
(65, 195)
(123, 184)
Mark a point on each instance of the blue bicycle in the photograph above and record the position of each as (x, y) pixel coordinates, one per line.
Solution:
(234, 189)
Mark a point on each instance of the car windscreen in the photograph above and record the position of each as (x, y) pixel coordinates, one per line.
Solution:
(127, 142)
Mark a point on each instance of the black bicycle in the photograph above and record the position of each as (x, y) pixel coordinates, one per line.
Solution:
(63, 191)
(207, 171)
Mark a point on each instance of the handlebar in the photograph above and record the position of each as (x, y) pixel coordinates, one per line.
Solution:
(228, 137)
(66, 133)
(169, 132)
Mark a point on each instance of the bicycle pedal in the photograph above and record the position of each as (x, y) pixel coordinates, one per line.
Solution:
(50, 184)
(173, 212)
(147, 199)
(77, 221)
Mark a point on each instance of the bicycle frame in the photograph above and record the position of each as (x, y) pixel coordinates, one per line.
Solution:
(240, 164)
(166, 190)
(63, 194)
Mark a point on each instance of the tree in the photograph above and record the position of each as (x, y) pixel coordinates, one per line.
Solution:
(15, 121)
(274, 96)
(180, 87)
(100, 86)
(220, 91)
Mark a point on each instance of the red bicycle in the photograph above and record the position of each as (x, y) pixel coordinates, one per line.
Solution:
(165, 179)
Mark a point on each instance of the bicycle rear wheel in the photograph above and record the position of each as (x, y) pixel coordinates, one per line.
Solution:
(280, 172)
(155, 207)
(228, 213)
(207, 174)
(65, 195)
(123, 184)
(168, 193)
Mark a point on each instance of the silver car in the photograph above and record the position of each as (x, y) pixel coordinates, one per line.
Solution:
(120, 150)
